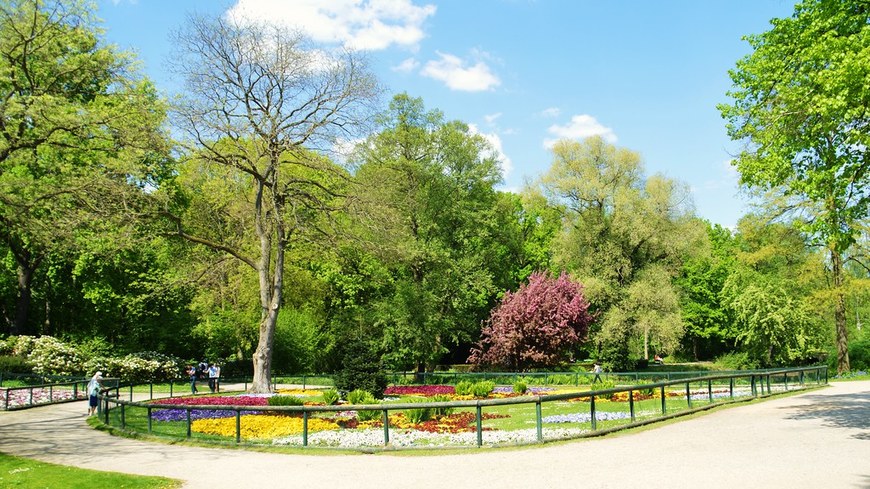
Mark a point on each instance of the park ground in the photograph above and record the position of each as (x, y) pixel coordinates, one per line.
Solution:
(819, 438)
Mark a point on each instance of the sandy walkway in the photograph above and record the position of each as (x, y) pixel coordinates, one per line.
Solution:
(819, 439)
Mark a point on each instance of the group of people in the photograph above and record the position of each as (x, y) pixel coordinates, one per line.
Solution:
(203, 371)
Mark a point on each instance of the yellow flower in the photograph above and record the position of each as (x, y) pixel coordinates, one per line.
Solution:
(263, 426)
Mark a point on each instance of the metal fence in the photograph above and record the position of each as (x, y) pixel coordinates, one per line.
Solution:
(670, 398)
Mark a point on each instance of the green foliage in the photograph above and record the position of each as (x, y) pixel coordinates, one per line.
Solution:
(799, 105)
(463, 388)
(444, 410)
(859, 355)
(296, 341)
(361, 369)
(520, 387)
(625, 238)
(331, 397)
(736, 361)
(418, 415)
(360, 396)
(428, 184)
(15, 364)
(482, 388)
(602, 384)
(285, 401)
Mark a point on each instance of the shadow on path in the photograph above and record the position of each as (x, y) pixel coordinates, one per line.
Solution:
(839, 411)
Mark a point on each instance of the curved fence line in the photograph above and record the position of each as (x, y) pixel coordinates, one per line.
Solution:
(730, 387)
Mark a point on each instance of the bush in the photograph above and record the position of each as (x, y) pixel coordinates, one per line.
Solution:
(859, 355)
(482, 388)
(520, 387)
(285, 401)
(361, 370)
(418, 415)
(445, 410)
(603, 384)
(360, 396)
(15, 364)
(330, 397)
(736, 361)
(463, 388)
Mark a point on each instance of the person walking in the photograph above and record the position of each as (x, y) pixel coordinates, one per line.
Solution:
(596, 369)
(95, 386)
(212, 377)
(191, 371)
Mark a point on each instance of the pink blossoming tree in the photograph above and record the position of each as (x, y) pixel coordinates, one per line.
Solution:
(535, 326)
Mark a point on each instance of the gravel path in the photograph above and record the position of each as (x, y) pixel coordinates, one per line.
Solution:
(819, 439)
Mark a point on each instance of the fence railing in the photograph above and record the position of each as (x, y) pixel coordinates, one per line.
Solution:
(670, 398)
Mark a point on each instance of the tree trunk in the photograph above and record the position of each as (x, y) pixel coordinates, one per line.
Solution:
(26, 270)
(840, 312)
(271, 281)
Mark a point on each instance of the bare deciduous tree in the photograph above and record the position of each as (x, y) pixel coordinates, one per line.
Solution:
(263, 104)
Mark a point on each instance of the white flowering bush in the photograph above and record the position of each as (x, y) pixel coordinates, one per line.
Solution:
(137, 367)
(17, 345)
(50, 356)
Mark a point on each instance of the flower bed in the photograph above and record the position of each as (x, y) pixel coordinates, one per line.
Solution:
(419, 390)
(21, 397)
(264, 426)
(196, 414)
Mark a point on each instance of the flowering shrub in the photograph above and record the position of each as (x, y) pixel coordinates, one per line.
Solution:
(51, 356)
(264, 426)
(419, 390)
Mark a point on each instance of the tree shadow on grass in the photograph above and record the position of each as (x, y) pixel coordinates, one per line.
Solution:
(840, 411)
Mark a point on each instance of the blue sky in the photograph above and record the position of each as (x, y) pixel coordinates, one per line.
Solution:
(646, 75)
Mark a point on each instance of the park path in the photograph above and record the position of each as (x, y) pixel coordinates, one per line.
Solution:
(818, 439)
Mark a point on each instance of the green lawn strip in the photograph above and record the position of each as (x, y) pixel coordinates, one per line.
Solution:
(17, 472)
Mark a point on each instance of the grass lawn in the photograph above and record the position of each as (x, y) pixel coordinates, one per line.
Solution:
(16, 472)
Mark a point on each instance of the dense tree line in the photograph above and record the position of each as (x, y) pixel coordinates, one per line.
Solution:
(251, 238)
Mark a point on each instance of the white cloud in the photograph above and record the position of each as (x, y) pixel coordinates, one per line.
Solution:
(497, 151)
(356, 24)
(491, 118)
(458, 75)
(551, 112)
(407, 66)
(581, 126)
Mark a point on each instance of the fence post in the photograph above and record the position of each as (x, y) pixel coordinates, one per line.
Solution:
(592, 413)
(238, 425)
(149, 420)
(304, 428)
(631, 404)
(710, 389)
(170, 388)
(768, 383)
(539, 421)
(188, 422)
(479, 421)
(123, 419)
(688, 395)
(6, 400)
(664, 407)
(731, 387)
(151, 390)
(386, 427)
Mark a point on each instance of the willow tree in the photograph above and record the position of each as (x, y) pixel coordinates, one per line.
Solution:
(266, 107)
(624, 237)
(800, 105)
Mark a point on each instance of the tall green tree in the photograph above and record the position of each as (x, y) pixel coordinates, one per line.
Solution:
(709, 321)
(624, 236)
(800, 105)
(79, 133)
(429, 199)
(263, 107)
